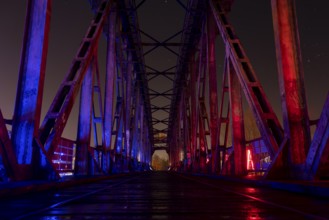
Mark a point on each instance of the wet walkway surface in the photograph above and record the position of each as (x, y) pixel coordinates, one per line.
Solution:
(162, 195)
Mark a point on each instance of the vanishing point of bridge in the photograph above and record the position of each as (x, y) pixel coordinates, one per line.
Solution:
(198, 120)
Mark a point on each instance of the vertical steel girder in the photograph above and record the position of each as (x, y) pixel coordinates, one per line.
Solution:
(317, 164)
(193, 118)
(174, 146)
(109, 87)
(136, 120)
(213, 100)
(83, 163)
(7, 153)
(128, 110)
(224, 119)
(202, 108)
(291, 78)
(31, 80)
(98, 117)
(238, 135)
(186, 128)
(140, 154)
(181, 134)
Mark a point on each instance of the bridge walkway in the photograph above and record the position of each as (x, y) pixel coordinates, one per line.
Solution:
(164, 195)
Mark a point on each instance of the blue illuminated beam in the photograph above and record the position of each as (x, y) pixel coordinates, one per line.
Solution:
(31, 79)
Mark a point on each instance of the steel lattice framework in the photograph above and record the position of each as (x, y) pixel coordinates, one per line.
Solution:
(204, 131)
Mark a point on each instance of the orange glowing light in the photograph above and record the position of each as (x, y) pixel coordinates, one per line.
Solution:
(250, 163)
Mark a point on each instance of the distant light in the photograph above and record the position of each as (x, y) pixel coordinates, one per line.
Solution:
(181, 155)
(66, 174)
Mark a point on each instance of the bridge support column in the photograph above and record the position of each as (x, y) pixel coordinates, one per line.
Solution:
(238, 136)
(109, 93)
(213, 100)
(128, 110)
(291, 78)
(30, 83)
(83, 161)
(193, 118)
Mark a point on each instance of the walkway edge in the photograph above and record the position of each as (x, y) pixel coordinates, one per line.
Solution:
(310, 188)
(21, 188)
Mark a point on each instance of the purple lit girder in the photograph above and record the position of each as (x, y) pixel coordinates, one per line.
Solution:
(83, 160)
(128, 110)
(141, 83)
(317, 163)
(7, 153)
(98, 119)
(109, 87)
(56, 117)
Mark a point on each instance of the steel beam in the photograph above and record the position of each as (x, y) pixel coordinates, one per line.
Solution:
(83, 162)
(238, 135)
(317, 165)
(213, 97)
(31, 80)
(7, 152)
(97, 119)
(291, 77)
(129, 101)
(193, 118)
(224, 119)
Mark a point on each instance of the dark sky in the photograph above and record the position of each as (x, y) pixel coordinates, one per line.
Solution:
(162, 18)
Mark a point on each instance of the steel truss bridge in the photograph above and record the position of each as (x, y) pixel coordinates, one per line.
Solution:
(202, 128)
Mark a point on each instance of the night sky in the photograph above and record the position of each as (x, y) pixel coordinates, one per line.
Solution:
(162, 18)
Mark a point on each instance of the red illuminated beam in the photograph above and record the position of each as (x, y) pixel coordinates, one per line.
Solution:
(267, 122)
(238, 134)
(224, 120)
(291, 79)
(213, 100)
